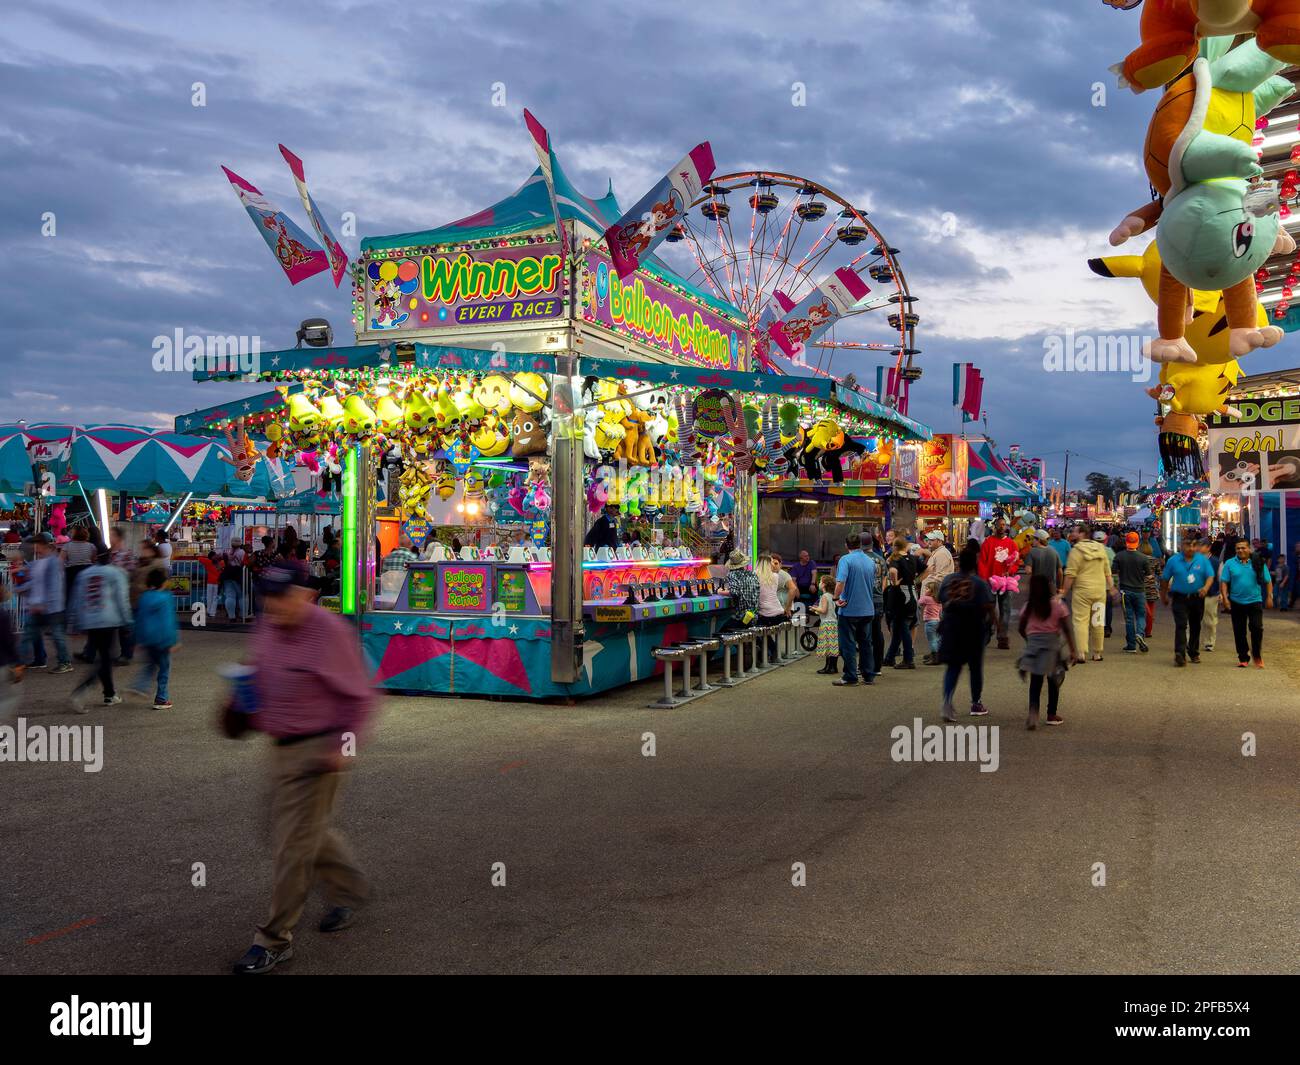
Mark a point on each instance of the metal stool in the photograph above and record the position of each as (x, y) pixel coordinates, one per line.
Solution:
(748, 644)
(704, 646)
(669, 655)
(784, 631)
(728, 641)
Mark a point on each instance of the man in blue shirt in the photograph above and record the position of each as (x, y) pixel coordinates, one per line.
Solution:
(1060, 545)
(1186, 578)
(855, 576)
(1244, 586)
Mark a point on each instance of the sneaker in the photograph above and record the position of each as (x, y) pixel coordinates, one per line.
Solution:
(978, 710)
(163, 704)
(1259, 663)
(112, 700)
(62, 667)
(1130, 650)
(842, 683)
(949, 713)
(337, 919)
(1055, 719)
(79, 698)
(121, 660)
(261, 960)
(1142, 644)
(1032, 723)
(1209, 647)
(1242, 665)
(1181, 660)
(1194, 659)
(905, 665)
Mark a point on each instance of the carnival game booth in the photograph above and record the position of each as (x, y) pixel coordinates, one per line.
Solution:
(515, 374)
(678, 449)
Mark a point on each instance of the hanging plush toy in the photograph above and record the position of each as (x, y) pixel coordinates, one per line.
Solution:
(1180, 449)
(824, 446)
(275, 438)
(1170, 29)
(528, 392)
(1215, 230)
(635, 445)
(528, 433)
(492, 437)
(303, 417)
(243, 453)
(1196, 389)
(1206, 331)
(331, 478)
(58, 519)
(493, 394)
(445, 481)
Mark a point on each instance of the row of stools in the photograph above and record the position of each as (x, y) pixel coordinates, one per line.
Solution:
(748, 645)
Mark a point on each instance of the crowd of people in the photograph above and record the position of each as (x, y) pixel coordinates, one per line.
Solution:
(1071, 583)
(118, 601)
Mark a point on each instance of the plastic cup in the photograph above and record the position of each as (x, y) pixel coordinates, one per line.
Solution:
(242, 687)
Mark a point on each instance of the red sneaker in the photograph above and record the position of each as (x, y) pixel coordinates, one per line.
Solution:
(1259, 663)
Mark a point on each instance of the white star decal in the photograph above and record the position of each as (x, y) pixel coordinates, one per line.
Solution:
(758, 382)
(673, 375)
(514, 629)
(397, 625)
(248, 406)
(275, 360)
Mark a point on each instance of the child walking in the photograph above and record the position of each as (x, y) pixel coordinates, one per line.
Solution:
(1044, 620)
(828, 632)
(931, 611)
(155, 632)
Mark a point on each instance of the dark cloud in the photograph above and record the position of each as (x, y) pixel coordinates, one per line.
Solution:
(984, 110)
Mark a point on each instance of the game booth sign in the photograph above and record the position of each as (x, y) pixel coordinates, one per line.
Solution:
(519, 382)
(1254, 456)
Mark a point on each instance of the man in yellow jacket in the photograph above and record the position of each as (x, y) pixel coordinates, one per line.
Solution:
(1088, 575)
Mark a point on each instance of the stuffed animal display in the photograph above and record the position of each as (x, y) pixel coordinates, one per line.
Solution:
(1170, 31)
(1216, 220)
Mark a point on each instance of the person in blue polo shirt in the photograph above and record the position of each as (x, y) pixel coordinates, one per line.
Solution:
(1186, 579)
(1244, 587)
(855, 576)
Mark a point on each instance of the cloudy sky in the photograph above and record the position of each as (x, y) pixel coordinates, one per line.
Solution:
(981, 112)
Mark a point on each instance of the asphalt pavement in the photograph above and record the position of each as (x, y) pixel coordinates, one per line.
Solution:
(771, 830)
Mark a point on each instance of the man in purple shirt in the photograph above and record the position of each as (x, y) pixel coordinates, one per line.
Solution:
(803, 572)
(313, 698)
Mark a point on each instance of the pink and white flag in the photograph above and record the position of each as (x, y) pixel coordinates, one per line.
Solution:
(338, 259)
(803, 322)
(653, 216)
(967, 390)
(546, 157)
(299, 256)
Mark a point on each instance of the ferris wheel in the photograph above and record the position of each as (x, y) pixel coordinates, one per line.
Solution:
(757, 238)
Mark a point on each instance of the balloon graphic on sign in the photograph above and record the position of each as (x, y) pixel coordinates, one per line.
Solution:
(602, 281)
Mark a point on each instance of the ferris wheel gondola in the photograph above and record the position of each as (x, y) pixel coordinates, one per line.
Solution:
(774, 245)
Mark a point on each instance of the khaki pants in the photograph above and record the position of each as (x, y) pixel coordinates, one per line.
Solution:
(1210, 623)
(306, 847)
(1088, 615)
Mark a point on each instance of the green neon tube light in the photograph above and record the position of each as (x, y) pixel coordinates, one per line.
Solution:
(348, 570)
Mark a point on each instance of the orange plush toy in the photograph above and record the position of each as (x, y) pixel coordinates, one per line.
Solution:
(1171, 29)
